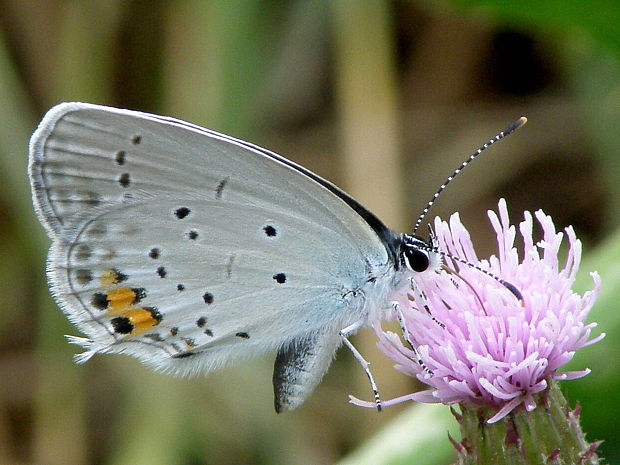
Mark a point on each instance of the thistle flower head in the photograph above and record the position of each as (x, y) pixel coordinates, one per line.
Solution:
(481, 344)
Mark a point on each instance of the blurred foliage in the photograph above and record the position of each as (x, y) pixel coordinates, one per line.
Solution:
(597, 20)
(383, 97)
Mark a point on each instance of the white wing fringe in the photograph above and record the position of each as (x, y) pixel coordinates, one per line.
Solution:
(84, 343)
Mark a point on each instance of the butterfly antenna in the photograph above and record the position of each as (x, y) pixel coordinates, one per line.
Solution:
(509, 130)
(511, 287)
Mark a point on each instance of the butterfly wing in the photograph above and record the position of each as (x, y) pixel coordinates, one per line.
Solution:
(300, 365)
(189, 249)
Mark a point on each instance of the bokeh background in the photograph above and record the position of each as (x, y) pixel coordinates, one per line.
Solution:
(385, 98)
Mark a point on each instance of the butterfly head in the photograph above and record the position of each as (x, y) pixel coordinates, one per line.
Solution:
(418, 255)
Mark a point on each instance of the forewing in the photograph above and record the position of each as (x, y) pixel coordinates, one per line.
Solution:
(187, 248)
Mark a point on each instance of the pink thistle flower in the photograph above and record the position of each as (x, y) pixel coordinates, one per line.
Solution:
(494, 349)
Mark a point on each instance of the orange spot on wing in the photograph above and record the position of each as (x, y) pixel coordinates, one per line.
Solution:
(142, 319)
(108, 277)
(121, 298)
(111, 276)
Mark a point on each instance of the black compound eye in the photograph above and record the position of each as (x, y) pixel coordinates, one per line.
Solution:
(416, 259)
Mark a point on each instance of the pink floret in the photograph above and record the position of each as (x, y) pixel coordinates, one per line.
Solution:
(495, 349)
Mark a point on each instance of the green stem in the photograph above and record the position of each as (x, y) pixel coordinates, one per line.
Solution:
(548, 435)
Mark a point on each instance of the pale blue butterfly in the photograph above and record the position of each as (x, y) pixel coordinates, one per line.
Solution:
(189, 249)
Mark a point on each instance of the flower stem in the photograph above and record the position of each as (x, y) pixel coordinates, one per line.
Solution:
(548, 435)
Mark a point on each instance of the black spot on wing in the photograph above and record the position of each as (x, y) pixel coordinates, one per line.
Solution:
(280, 278)
(208, 298)
(140, 293)
(120, 157)
(124, 180)
(83, 277)
(136, 139)
(200, 322)
(193, 235)
(242, 335)
(220, 188)
(161, 272)
(83, 253)
(122, 325)
(182, 212)
(118, 276)
(270, 230)
(154, 253)
(157, 316)
(99, 301)
(180, 287)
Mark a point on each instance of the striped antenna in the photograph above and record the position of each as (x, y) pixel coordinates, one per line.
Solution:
(510, 129)
(511, 287)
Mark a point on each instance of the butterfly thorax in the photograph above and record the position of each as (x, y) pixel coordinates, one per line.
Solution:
(388, 282)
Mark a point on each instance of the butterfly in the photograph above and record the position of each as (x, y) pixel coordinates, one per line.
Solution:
(189, 249)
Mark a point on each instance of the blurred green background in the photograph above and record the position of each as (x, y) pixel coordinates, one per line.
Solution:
(384, 98)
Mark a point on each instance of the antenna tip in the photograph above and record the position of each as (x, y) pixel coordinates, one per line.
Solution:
(513, 289)
(514, 126)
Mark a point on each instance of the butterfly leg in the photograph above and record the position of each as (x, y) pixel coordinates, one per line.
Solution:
(422, 297)
(406, 335)
(344, 333)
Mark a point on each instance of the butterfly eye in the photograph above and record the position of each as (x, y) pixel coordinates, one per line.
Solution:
(416, 259)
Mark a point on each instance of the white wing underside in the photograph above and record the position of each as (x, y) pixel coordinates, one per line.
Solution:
(202, 243)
